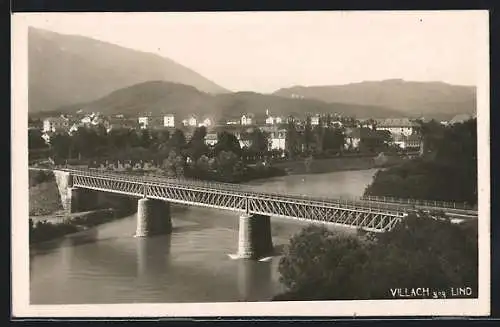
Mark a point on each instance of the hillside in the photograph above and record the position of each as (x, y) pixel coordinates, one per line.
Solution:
(69, 69)
(430, 99)
(160, 96)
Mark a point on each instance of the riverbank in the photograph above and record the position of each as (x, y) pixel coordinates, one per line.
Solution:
(50, 227)
(328, 165)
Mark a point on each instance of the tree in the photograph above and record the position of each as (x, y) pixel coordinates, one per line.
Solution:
(424, 251)
(226, 161)
(35, 140)
(196, 146)
(431, 133)
(319, 264)
(333, 139)
(448, 173)
(60, 144)
(260, 142)
(203, 163)
(144, 138)
(291, 139)
(177, 141)
(229, 143)
(308, 135)
(199, 134)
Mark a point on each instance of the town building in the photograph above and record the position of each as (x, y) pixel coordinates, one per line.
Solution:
(270, 120)
(56, 124)
(206, 122)
(211, 139)
(245, 140)
(169, 121)
(397, 126)
(192, 121)
(405, 142)
(247, 119)
(277, 139)
(143, 122)
(315, 120)
(232, 122)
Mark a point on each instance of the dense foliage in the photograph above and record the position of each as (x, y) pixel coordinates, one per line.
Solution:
(322, 137)
(45, 230)
(447, 171)
(44, 198)
(320, 264)
(226, 161)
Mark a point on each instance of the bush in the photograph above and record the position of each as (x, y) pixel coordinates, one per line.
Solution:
(39, 176)
(44, 230)
(448, 173)
(319, 264)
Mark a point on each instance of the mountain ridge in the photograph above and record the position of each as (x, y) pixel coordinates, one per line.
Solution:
(68, 69)
(413, 98)
(167, 97)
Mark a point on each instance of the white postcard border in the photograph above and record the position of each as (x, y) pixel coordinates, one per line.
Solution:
(20, 247)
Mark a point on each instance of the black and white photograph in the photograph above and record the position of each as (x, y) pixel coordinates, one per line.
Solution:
(329, 163)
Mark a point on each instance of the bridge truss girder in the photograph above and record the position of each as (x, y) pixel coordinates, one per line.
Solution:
(278, 206)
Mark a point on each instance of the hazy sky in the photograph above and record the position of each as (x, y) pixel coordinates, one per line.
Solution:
(265, 51)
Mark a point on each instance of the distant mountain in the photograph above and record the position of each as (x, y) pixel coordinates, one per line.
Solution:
(69, 69)
(166, 97)
(430, 99)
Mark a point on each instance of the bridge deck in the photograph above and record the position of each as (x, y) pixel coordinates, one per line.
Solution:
(369, 215)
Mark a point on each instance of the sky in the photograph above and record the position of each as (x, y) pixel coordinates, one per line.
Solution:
(265, 51)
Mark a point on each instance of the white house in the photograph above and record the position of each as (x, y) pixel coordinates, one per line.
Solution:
(315, 120)
(408, 142)
(169, 121)
(270, 120)
(54, 124)
(397, 126)
(277, 140)
(211, 139)
(192, 121)
(206, 122)
(246, 119)
(143, 122)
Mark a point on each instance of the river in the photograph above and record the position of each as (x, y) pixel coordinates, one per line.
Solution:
(108, 265)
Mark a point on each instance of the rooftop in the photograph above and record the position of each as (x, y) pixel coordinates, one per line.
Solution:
(396, 122)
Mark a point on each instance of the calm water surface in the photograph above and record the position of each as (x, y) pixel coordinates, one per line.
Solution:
(108, 265)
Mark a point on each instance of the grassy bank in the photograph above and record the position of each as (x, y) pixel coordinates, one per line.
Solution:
(44, 229)
(44, 199)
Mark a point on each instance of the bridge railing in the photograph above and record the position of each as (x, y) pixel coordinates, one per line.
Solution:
(417, 202)
(246, 190)
(387, 204)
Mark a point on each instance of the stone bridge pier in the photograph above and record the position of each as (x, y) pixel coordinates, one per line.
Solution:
(254, 239)
(153, 217)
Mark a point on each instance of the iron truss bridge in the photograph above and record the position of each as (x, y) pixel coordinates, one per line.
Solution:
(240, 198)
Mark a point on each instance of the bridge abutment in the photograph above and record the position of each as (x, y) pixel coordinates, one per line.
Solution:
(255, 240)
(64, 182)
(73, 200)
(153, 217)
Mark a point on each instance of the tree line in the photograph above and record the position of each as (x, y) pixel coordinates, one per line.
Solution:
(446, 171)
(320, 264)
(177, 155)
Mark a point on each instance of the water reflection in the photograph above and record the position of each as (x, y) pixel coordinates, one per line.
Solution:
(153, 255)
(254, 280)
